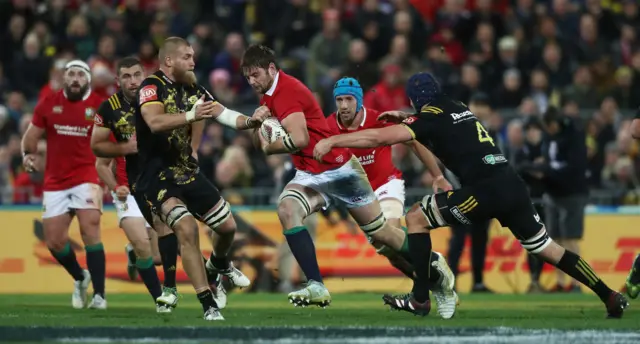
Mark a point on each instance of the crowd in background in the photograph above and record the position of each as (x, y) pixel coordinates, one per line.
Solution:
(509, 59)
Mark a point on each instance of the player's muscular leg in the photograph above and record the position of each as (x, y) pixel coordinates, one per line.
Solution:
(220, 221)
(296, 203)
(178, 218)
(153, 242)
(89, 221)
(56, 231)
(373, 223)
(138, 236)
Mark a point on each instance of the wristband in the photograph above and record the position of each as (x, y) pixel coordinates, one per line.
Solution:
(191, 115)
(247, 122)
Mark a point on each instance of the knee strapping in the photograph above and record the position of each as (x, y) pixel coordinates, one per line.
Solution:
(218, 215)
(298, 197)
(374, 226)
(538, 243)
(176, 214)
(430, 210)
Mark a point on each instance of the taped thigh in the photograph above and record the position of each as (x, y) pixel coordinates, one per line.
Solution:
(218, 215)
(431, 212)
(176, 214)
(299, 197)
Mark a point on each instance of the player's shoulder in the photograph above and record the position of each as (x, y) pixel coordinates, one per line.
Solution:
(52, 98)
(155, 79)
(371, 118)
(111, 104)
(290, 83)
(443, 105)
(332, 117)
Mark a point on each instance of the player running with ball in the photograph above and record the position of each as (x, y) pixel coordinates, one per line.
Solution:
(71, 181)
(388, 185)
(491, 188)
(338, 176)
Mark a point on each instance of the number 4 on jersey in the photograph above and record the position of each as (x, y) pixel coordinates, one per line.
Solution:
(483, 134)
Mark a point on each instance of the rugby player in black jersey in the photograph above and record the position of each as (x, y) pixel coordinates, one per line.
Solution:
(490, 189)
(169, 102)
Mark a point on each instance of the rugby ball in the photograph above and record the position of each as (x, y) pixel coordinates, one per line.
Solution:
(271, 130)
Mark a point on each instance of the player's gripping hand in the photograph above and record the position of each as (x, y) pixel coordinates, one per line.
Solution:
(131, 146)
(441, 184)
(122, 192)
(202, 109)
(321, 149)
(393, 116)
(29, 162)
(261, 114)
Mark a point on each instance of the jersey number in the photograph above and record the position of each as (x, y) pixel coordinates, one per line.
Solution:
(483, 135)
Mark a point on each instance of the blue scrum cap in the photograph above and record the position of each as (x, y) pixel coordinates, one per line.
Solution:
(349, 86)
(422, 88)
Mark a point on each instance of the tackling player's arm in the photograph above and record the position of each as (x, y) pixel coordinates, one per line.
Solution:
(105, 172)
(297, 136)
(101, 145)
(372, 138)
(34, 132)
(151, 96)
(426, 157)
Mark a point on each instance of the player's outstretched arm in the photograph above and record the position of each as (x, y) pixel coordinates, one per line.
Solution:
(369, 138)
(105, 172)
(158, 121)
(236, 120)
(297, 136)
(103, 147)
(431, 162)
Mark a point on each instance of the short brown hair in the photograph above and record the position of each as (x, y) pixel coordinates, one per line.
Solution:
(170, 45)
(127, 62)
(258, 55)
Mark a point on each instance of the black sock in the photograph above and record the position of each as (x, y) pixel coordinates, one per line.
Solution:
(420, 249)
(304, 251)
(149, 276)
(96, 263)
(168, 247)
(212, 276)
(220, 263)
(574, 266)
(67, 258)
(206, 300)
(535, 267)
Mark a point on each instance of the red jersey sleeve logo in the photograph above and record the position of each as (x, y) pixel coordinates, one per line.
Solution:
(148, 93)
(97, 120)
(410, 120)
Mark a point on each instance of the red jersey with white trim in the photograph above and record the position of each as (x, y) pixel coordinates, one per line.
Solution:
(377, 162)
(288, 95)
(121, 166)
(68, 126)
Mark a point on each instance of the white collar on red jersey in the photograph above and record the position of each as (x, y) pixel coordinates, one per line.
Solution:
(86, 96)
(273, 86)
(364, 118)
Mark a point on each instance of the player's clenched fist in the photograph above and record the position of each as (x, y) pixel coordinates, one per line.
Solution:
(122, 192)
(201, 109)
(321, 149)
(131, 147)
(393, 116)
(261, 114)
(29, 162)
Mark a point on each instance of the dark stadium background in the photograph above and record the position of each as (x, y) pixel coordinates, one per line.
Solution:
(524, 55)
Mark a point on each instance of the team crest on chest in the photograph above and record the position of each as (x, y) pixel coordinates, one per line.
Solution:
(57, 109)
(193, 99)
(88, 114)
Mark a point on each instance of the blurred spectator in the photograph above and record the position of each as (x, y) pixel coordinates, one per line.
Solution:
(220, 82)
(389, 93)
(80, 37)
(399, 56)
(623, 92)
(359, 67)
(581, 90)
(471, 83)
(511, 92)
(30, 68)
(115, 27)
(11, 42)
(557, 68)
(229, 60)
(56, 73)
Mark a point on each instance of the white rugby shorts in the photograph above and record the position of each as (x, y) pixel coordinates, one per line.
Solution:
(347, 184)
(83, 196)
(391, 196)
(128, 208)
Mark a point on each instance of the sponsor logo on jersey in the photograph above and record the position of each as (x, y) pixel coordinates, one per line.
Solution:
(367, 159)
(148, 93)
(161, 194)
(410, 120)
(493, 159)
(71, 130)
(463, 116)
(193, 99)
(459, 216)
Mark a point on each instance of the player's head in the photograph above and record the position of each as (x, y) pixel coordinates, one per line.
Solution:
(259, 67)
(77, 79)
(422, 88)
(129, 76)
(347, 93)
(551, 120)
(177, 57)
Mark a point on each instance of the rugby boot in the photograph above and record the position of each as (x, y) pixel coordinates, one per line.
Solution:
(163, 309)
(314, 293)
(616, 304)
(213, 314)
(633, 280)
(219, 292)
(79, 296)
(169, 297)
(443, 292)
(235, 276)
(407, 303)
(98, 302)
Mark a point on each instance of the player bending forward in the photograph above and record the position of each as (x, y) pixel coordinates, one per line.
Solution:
(71, 181)
(169, 102)
(339, 176)
(491, 188)
(386, 181)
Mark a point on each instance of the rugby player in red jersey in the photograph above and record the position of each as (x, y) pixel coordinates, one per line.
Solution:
(338, 176)
(388, 185)
(71, 185)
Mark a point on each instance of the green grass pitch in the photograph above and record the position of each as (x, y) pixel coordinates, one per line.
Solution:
(251, 316)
